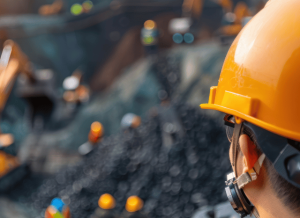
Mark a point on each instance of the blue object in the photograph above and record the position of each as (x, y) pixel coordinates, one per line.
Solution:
(246, 20)
(177, 38)
(58, 204)
(188, 38)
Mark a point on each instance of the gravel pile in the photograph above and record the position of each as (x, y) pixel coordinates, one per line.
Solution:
(166, 68)
(173, 182)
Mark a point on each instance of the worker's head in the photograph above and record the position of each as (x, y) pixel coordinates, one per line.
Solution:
(259, 90)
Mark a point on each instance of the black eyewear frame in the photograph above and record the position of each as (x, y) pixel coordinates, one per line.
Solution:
(282, 152)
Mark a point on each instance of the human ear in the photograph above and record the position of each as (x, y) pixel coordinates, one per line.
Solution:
(250, 155)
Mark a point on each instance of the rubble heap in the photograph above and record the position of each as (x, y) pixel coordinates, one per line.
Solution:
(173, 182)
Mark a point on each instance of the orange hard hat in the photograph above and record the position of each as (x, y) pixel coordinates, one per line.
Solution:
(260, 78)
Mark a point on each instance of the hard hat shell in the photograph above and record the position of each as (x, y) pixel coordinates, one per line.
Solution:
(260, 78)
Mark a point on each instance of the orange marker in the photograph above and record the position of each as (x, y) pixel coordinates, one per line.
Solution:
(133, 207)
(134, 204)
(96, 132)
(107, 202)
(106, 207)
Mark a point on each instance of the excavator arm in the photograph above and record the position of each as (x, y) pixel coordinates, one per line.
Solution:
(13, 61)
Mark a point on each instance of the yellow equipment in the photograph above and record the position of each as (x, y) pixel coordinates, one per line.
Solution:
(192, 8)
(12, 62)
(260, 78)
(240, 12)
(7, 163)
(226, 5)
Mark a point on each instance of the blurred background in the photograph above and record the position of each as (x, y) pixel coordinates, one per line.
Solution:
(102, 96)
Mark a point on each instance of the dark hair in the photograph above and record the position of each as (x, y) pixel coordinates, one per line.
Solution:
(286, 192)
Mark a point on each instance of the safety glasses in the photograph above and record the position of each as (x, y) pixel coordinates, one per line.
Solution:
(278, 149)
(229, 123)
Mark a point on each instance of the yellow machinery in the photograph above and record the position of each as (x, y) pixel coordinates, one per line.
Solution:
(235, 16)
(13, 61)
(192, 7)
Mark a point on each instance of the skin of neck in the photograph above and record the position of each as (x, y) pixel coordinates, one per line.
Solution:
(260, 191)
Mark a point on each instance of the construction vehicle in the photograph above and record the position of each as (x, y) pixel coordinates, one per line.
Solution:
(13, 61)
(233, 20)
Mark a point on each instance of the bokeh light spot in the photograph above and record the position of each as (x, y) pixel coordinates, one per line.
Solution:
(96, 127)
(177, 38)
(87, 5)
(189, 38)
(76, 9)
(148, 40)
(149, 25)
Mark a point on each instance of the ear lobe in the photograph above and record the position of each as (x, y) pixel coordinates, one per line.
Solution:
(249, 151)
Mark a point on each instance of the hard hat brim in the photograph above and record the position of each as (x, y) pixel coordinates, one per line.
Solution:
(272, 128)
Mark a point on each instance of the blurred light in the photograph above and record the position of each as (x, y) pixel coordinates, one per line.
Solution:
(82, 93)
(76, 9)
(87, 5)
(6, 140)
(44, 74)
(107, 202)
(130, 120)
(96, 132)
(149, 24)
(148, 39)
(71, 83)
(133, 204)
(230, 17)
(96, 128)
(70, 96)
(188, 38)
(136, 122)
(85, 148)
(177, 38)
(180, 25)
(127, 120)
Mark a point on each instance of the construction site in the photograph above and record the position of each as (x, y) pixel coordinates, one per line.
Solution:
(100, 111)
